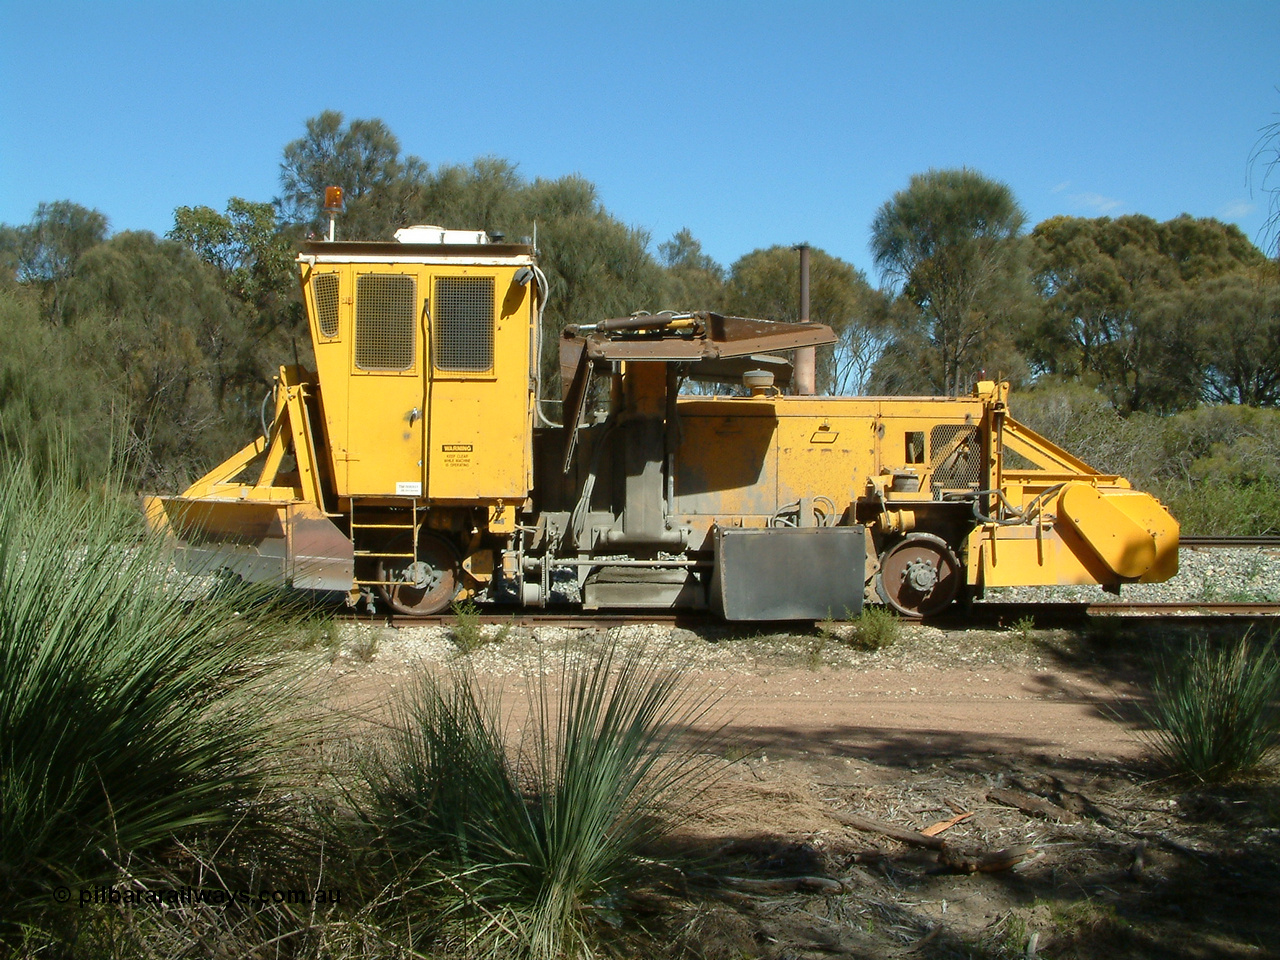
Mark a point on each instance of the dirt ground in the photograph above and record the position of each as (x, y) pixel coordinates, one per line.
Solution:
(1072, 845)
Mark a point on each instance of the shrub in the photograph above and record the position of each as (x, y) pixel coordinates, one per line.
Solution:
(1222, 508)
(53, 407)
(1217, 468)
(876, 628)
(1212, 709)
(128, 717)
(816, 645)
(517, 846)
(1023, 627)
(467, 632)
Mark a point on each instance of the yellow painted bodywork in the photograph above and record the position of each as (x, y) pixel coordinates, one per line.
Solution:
(743, 460)
(250, 515)
(387, 428)
(424, 432)
(1118, 540)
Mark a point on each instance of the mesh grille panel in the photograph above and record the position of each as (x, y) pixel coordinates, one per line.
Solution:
(386, 314)
(325, 286)
(956, 455)
(464, 324)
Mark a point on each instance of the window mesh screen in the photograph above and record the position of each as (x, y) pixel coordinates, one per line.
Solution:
(956, 455)
(325, 286)
(386, 314)
(464, 324)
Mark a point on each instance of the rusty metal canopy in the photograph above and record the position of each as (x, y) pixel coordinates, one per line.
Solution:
(711, 337)
(709, 343)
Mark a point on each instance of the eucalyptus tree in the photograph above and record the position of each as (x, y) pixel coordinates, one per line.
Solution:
(596, 265)
(1241, 312)
(252, 253)
(363, 158)
(766, 283)
(1266, 158)
(1129, 303)
(694, 280)
(156, 323)
(948, 244)
(43, 254)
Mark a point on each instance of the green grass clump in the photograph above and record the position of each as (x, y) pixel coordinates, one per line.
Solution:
(467, 630)
(129, 718)
(876, 628)
(1023, 628)
(522, 848)
(816, 645)
(1212, 709)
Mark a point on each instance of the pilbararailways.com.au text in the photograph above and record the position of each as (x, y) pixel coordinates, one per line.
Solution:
(193, 896)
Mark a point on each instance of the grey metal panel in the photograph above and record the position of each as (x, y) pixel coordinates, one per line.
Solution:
(326, 289)
(263, 562)
(623, 587)
(386, 321)
(788, 573)
(322, 556)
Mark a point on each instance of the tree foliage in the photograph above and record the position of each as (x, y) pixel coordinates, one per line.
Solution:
(949, 243)
(596, 265)
(1266, 158)
(363, 158)
(245, 244)
(1240, 312)
(44, 253)
(1128, 304)
(156, 322)
(766, 283)
(253, 256)
(52, 411)
(694, 280)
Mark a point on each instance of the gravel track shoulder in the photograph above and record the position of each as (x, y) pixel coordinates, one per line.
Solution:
(911, 735)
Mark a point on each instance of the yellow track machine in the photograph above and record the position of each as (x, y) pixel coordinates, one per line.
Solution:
(415, 465)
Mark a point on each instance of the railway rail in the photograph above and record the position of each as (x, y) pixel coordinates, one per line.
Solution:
(981, 614)
(1199, 543)
(978, 614)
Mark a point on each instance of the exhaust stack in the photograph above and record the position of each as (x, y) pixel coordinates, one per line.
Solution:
(805, 376)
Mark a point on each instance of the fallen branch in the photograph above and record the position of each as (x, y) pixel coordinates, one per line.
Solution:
(903, 834)
(970, 862)
(1087, 805)
(787, 885)
(1032, 806)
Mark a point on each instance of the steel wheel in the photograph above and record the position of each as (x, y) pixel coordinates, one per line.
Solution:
(919, 575)
(426, 585)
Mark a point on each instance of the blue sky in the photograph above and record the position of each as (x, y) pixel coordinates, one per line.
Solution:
(749, 123)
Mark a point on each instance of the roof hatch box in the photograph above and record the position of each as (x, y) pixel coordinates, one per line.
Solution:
(427, 233)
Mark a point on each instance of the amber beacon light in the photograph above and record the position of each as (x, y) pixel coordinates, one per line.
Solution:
(332, 204)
